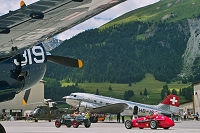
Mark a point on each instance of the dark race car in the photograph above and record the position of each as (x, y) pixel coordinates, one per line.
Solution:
(74, 121)
(158, 121)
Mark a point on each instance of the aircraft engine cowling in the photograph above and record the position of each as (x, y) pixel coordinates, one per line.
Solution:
(21, 72)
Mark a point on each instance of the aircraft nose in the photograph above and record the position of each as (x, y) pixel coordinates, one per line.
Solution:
(65, 97)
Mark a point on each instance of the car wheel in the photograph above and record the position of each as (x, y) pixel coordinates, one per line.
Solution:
(88, 124)
(68, 126)
(57, 123)
(128, 124)
(75, 124)
(153, 124)
(2, 130)
(36, 120)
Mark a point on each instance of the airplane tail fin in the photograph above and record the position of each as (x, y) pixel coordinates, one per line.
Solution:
(170, 103)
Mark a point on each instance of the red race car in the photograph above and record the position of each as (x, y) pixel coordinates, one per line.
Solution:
(153, 122)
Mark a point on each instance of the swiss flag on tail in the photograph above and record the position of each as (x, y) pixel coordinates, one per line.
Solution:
(172, 100)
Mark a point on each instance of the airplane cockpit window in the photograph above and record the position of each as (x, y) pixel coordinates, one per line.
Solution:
(37, 110)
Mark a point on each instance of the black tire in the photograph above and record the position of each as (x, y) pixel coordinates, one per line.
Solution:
(153, 124)
(75, 124)
(36, 120)
(128, 124)
(141, 128)
(49, 120)
(57, 123)
(88, 124)
(2, 130)
(166, 128)
(68, 126)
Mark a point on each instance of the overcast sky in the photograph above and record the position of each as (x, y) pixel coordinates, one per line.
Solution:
(94, 22)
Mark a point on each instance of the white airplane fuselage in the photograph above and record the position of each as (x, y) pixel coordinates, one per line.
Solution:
(85, 101)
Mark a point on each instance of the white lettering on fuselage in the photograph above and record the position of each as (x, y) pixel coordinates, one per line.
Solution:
(37, 56)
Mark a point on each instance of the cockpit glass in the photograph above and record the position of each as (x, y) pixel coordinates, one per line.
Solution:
(37, 110)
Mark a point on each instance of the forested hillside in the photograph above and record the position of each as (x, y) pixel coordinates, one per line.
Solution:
(127, 48)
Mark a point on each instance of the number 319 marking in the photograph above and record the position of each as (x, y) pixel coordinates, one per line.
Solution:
(33, 55)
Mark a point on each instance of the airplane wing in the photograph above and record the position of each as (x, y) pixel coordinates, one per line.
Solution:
(112, 108)
(32, 24)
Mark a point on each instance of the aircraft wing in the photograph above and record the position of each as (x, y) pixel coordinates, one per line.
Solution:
(112, 108)
(32, 24)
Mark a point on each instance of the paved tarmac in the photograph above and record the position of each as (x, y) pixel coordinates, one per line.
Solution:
(100, 127)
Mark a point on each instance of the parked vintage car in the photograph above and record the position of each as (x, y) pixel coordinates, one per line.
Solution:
(74, 121)
(158, 121)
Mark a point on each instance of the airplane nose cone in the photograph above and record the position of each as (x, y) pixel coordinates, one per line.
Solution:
(66, 97)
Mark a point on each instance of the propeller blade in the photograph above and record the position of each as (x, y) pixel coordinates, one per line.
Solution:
(26, 96)
(65, 61)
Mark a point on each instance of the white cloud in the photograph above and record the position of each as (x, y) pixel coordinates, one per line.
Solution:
(94, 22)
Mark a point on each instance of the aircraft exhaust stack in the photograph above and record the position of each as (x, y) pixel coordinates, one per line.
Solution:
(22, 76)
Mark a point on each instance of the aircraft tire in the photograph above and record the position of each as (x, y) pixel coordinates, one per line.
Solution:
(166, 128)
(128, 124)
(2, 130)
(153, 124)
(75, 124)
(57, 123)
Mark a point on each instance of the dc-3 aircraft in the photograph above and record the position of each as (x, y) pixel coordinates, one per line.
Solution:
(22, 55)
(107, 105)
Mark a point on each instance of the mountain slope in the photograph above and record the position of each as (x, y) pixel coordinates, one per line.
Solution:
(164, 10)
(155, 39)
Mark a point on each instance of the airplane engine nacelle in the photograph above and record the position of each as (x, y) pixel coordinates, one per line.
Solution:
(21, 72)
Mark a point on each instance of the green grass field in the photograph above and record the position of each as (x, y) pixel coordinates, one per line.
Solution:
(153, 87)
